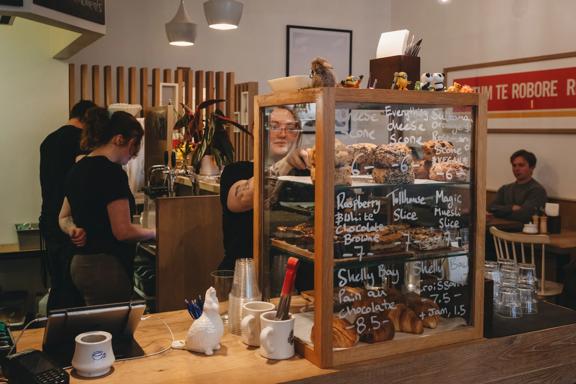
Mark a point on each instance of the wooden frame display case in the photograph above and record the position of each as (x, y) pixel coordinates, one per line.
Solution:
(388, 223)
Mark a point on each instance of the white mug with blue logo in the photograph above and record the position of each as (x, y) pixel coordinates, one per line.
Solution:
(93, 355)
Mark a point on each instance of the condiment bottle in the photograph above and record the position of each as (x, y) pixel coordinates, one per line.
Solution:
(535, 219)
(543, 224)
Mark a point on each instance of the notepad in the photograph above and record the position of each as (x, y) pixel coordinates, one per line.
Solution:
(392, 43)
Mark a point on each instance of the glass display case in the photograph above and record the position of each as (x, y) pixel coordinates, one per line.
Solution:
(381, 195)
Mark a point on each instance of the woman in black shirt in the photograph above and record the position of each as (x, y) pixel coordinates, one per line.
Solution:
(98, 207)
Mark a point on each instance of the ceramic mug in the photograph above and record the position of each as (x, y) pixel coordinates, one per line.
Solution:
(276, 337)
(93, 355)
(250, 324)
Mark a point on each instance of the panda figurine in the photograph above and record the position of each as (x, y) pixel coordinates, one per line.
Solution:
(432, 81)
(438, 82)
(425, 81)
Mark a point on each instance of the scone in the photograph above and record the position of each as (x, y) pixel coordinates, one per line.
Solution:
(453, 171)
(342, 164)
(438, 148)
(393, 164)
(363, 156)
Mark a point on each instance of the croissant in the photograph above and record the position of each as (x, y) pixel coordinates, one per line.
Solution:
(425, 308)
(385, 328)
(405, 320)
(343, 334)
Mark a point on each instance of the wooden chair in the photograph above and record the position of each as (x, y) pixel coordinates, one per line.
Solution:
(524, 248)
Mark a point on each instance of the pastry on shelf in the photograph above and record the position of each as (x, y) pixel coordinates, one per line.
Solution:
(422, 169)
(426, 239)
(344, 334)
(441, 150)
(363, 156)
(376, 327)
(393, 164)
(426, 309)
(405, 319)
(342, 164)
(453, 171)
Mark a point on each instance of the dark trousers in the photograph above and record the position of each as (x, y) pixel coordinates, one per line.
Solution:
(101, 278)
(63, 292)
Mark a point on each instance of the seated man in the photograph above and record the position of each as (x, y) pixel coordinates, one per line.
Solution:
(521, 199)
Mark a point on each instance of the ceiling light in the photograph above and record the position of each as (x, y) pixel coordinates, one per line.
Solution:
(223, 14)
(181, 31)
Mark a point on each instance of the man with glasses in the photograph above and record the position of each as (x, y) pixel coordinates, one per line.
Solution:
(237, 183)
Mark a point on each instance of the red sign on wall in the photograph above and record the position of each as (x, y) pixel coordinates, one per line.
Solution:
(548, 89)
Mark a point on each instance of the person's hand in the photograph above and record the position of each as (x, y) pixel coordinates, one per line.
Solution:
(78, 236)
(298, 158)
(516, 208)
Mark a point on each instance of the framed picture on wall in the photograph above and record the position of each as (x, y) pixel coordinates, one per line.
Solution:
(535, 95)
(304, 44)
(91, 10)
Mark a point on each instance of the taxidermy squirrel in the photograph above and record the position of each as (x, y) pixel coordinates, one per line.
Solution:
(321, 73)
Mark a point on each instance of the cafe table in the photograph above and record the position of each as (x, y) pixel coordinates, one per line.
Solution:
(534, 357)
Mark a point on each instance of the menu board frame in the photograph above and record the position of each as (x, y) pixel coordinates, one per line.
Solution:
(91, 10)
(326, 100)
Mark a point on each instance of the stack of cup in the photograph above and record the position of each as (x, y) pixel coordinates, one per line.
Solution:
(244, 290)
(515, 287)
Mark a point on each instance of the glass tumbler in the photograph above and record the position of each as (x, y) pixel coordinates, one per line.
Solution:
(222, 280)
(509, 303)
(528, 299)
(527, 274)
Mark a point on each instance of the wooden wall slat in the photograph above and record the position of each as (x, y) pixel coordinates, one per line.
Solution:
(210, 90)
(108, 85)
(132, 85)
(220, 86)
(167, 76)
(120, 85)
(189, 79)
(179, 79)
(155, 87)
(96, 84)
(84, 82)
(71, 86)
(144, 101)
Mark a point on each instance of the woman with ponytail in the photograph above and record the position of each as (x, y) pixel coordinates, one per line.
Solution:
(98, 207)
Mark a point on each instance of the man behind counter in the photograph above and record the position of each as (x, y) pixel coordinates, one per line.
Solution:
(519, 200)
(58, 154)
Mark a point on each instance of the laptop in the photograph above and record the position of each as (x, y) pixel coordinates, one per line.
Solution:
(119, 319)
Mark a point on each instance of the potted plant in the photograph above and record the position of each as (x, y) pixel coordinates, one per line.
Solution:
(208, 139)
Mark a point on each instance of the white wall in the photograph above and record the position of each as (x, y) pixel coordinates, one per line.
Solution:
(33, 102)
(255, 51)
(477, 31)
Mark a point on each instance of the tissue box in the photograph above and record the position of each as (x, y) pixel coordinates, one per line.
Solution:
(383, 69)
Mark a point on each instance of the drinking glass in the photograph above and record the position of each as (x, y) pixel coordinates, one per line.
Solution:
(222, 280)
(527, 274)
(528, 299)
(509, 303)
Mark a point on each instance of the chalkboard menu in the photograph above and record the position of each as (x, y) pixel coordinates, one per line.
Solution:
(91, 10)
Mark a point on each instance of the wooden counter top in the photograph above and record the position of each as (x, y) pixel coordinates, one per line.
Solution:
(535, 357)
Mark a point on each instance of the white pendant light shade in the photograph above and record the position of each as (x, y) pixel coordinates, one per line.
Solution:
(223, 14)
(181, 31)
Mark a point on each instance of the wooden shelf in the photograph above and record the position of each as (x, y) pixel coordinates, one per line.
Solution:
(398, 254)
(367, 181)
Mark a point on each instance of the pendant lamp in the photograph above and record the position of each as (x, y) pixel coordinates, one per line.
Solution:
(181, 31)
(223, 14)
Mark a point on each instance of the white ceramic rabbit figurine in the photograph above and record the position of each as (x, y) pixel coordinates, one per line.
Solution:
(205, 333)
